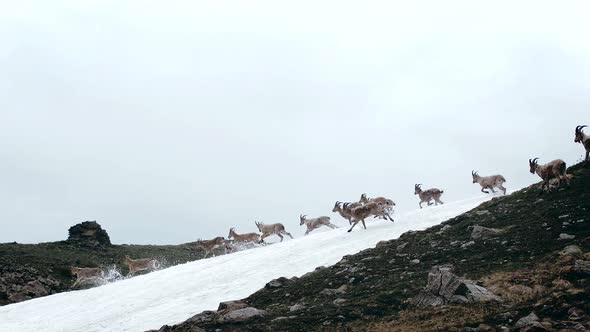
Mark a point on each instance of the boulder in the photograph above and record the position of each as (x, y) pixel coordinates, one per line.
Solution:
(527, 320)
(231, 305)
(89, 233)
(444, 287)
(478, 232)
(35, 288)
(241, 315)
(572, 250)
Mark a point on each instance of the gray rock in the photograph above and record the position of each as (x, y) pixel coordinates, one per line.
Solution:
(575, 314)
(297, 307)
(571, 250)
(527, 320)
(478, 232)
(35, 288)
(415, 261)
(280, 319)
(582, 267)
(339, 301)
(444, 229)
(277, 283)
(231, 305)
(334, 291)
(468, 244)
(205, 316)
(564, 236)
(242, 315)
(445, 287)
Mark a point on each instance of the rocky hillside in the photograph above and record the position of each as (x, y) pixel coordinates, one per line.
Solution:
(519, 262)
(33, 270)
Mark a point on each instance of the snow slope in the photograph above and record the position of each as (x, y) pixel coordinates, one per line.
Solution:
(173, 295)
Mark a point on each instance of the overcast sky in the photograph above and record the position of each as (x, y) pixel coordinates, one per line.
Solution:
(168, 121)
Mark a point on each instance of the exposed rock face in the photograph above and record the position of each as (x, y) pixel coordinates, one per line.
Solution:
(444, 287)
(527, 320)
(89, 233)
(241, 315)
(478, 232)
(24, 284)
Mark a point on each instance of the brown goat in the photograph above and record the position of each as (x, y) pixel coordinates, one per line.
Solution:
(86, 275)
(210, 245)
(360, 213)
(428, 195)
(243, 238)
(554, 169)
(142, 264)
(584, 139)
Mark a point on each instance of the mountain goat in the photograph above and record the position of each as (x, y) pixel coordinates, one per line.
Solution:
(343, 212)
(554, 169)
(142, 264)
(489, 182)
(270, 229)
(210, 245)
(315, 223)
(428, 195)
(385, 202)
(243, 238)
(580, 137)
(85, 275)
(360, 213)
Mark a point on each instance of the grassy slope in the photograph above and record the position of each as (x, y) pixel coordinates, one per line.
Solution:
(379, 281)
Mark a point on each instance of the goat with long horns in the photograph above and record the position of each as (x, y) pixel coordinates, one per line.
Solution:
(580, 137)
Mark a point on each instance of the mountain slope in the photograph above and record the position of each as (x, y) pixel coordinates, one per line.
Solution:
(174, 294)
(533, 253)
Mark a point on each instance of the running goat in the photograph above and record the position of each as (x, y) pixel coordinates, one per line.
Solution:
(489, 182)
(315, 223)
(210, 245)
(272, 229)
(428, 195)
(360, 213)
(385, 202)
(142, 264)
(243, 238)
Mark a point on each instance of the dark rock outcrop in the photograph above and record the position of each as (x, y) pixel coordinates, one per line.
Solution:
(89, 233)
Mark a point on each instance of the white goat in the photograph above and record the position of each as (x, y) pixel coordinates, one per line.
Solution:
(489, 182)
(315, 223)
(270, 229)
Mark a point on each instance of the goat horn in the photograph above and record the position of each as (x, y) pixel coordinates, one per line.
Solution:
(535, 160)
(580, 127)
